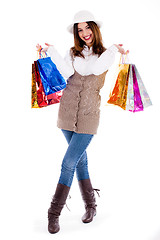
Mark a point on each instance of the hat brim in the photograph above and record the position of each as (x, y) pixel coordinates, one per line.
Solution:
(70, 27)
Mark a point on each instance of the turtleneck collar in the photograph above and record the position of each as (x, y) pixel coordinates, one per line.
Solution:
(87, 48)
(87, 51)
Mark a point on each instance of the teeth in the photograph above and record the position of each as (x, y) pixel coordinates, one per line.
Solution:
(87, 37)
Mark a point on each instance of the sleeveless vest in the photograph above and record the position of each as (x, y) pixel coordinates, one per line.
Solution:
(79, 109)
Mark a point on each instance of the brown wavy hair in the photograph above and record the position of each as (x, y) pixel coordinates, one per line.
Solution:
(79, 44)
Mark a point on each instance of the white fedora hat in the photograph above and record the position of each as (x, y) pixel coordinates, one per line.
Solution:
(83, 16)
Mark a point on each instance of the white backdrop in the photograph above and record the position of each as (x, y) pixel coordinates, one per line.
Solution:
(124, 158)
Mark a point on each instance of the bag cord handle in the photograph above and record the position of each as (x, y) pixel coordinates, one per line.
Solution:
(124, 59)
(41, 54)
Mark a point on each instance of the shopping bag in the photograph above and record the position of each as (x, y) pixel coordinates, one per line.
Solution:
(138, 105)
(34, 103)
(39, 96)
(119, 93)
(129, 91)
(143, 92)
(51, 78)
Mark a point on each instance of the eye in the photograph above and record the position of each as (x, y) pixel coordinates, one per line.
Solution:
(87, 27)
(79, 30)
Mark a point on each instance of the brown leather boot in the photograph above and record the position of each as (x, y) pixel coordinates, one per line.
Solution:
(89, 199)
(58, 202)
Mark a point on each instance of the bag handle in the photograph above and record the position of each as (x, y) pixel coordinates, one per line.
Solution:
(41, 54)
(124, 59)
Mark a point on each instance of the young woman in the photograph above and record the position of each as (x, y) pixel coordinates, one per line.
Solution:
(85, 66)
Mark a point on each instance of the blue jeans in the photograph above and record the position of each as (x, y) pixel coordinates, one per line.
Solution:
(75, 157)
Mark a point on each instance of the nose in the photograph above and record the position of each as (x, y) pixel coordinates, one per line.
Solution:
(85, 32)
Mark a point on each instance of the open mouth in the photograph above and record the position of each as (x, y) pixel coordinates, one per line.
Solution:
(87, 38)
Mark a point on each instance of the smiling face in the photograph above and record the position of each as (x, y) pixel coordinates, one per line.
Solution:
(85, 33)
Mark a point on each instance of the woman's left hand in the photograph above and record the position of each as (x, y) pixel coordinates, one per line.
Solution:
(121, 49)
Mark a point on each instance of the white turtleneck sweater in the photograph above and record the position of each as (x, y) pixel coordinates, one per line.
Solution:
(91, 64)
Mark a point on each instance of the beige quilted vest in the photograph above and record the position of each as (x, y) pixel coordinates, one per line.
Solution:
(79, 106)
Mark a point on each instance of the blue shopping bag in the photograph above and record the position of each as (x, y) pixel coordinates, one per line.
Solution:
(51, 78)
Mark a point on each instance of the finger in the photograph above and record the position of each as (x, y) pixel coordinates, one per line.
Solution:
(38, 46)
(44, 49)
(122, 51)
(47, 44)
(120, 45)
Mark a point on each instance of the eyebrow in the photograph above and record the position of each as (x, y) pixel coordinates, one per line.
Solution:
(85, 27)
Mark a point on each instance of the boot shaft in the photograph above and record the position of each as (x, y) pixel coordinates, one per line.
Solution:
(87, 191)
(59, 199)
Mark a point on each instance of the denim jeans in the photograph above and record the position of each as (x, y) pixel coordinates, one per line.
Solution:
(75, 158)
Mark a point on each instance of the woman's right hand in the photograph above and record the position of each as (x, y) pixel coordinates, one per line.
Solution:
(38, 46)
(121, 49)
